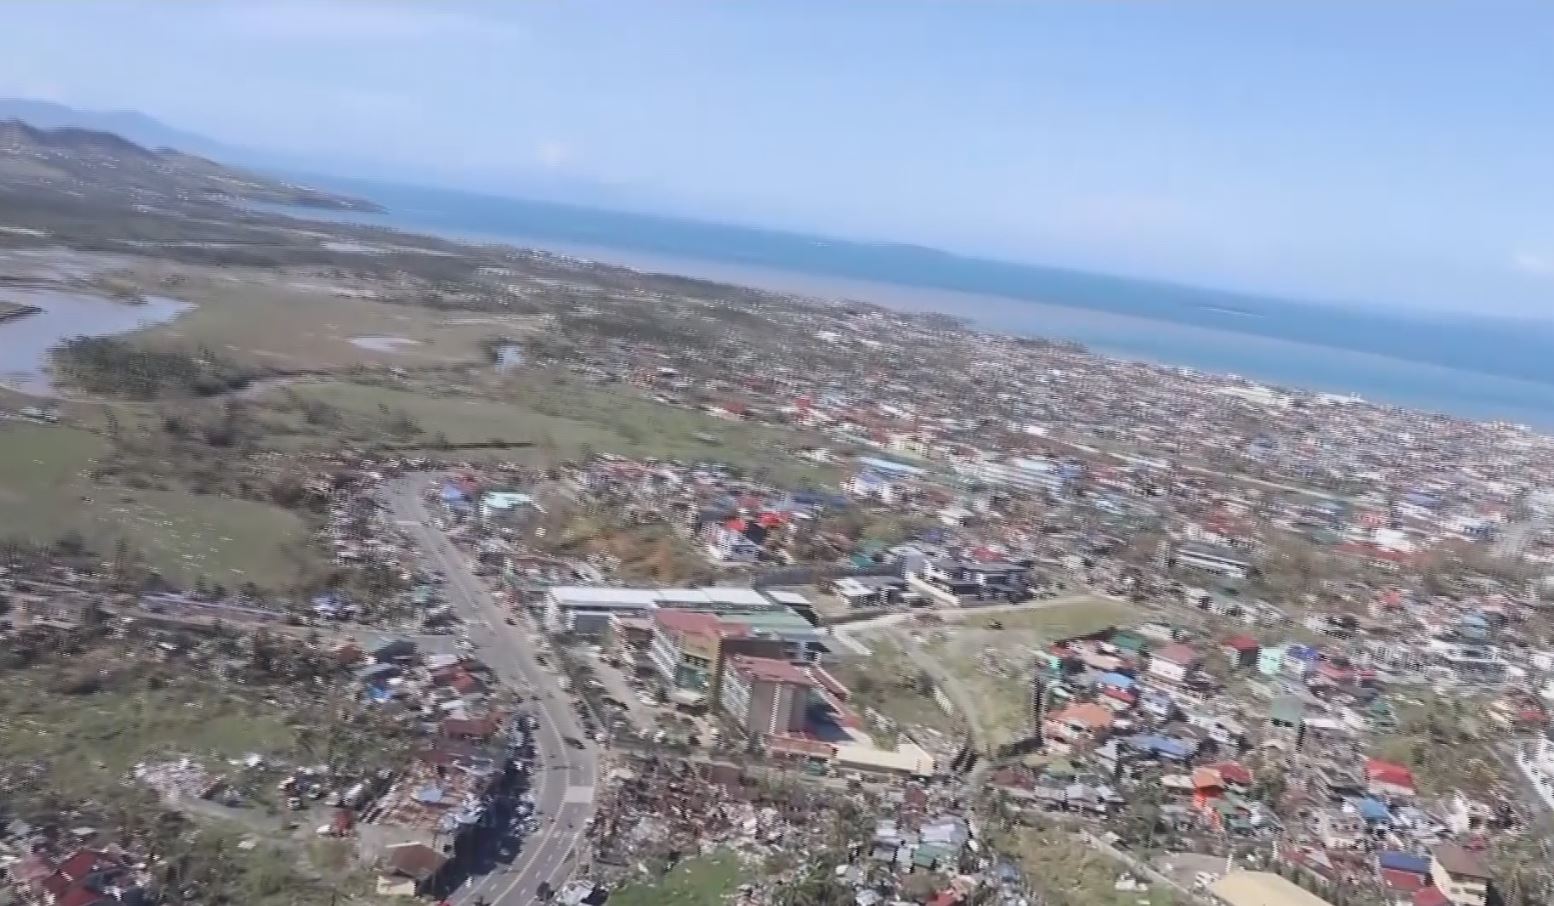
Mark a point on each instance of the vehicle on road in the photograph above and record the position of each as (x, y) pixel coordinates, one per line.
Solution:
(573, 741)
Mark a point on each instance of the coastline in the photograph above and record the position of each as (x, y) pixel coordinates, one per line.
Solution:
(11, 311)
(1290, 363)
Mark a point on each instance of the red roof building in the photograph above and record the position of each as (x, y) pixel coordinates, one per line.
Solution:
(1387, 778)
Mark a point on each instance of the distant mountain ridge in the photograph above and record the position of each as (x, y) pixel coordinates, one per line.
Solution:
(71, 158)
(139, 128)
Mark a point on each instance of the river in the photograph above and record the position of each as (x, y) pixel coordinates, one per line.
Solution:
(25, 341)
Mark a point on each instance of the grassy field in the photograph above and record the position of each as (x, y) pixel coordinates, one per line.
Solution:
(704, 881)
(563, 418)
(886, 682)
(258, 319)
(46, 491)
(88, 743)
(1068, 873)
(994, 665)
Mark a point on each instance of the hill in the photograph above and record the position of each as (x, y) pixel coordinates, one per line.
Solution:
(74, 159)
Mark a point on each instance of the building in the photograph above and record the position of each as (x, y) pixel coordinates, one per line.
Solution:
(728, 543)
(1174, 663)
(1388, 780)
(1241, 650)
(871, 484)
(505, 507)
(764, 696)
(1030, 474)
(688, 651)
(586, 609)
(1261, 888)
(1217, 560)
(1079, 726)
(1461, 875)
(631, 643)
(957, 582)
(870, 591)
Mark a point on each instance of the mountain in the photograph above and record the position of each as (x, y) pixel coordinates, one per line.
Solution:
(72, 159)
(358, 173)
(137, 127)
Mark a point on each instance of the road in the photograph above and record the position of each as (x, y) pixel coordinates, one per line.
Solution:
(564, 776)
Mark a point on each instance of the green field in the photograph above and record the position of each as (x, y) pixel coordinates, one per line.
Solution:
(703, 881)
(89, 742)
(46, 491)
(994, 665)
(1068, 873)
(885, 681)
(563, 419)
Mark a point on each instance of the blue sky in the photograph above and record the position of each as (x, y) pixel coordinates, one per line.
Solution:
(1398, 153)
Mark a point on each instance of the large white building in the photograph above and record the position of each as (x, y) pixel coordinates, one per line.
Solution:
(1033, 474)
(586, 609)
(1216, 559)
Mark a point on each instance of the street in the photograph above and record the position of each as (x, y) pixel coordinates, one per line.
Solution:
(564, 798)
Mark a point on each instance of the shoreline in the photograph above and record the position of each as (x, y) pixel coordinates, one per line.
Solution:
(1286, 364)
(10, 312)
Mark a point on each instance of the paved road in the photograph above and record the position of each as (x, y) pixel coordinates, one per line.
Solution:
(564, 776)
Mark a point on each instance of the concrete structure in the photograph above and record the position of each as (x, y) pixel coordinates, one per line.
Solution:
(1262, 888)
(725, 544)
(505, 506)
(764, 696)
(689, 648)
(1214, 559)
(1459, 874)
(586, 609)
(1029, 474)
(1174, 663)
(870, 591)
(957, 582)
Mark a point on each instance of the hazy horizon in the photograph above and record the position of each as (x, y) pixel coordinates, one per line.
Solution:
(1389, 155)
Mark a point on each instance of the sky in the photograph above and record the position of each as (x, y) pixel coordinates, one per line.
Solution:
(1397, 153)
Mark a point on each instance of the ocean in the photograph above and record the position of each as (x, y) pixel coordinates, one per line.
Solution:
(1475, 367)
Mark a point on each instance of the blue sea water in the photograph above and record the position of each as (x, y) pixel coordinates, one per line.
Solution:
(1470, 366)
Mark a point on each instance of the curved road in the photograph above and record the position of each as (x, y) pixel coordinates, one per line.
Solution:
(564, 776)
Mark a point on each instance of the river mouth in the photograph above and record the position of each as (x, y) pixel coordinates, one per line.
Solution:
(60, 315)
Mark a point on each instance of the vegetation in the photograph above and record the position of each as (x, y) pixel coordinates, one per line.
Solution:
(110, 366)
(993, 665)
(1443, 741)
(1068, 873)
(703, 881)
(54, 484)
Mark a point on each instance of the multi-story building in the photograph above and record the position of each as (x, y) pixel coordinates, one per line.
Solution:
(1217, 560)
(728, 543)
(1174, 663)
(957, 582)
(1031, 474)
(1461, 875)
(688, 651)
(764, 696)
(587, 609)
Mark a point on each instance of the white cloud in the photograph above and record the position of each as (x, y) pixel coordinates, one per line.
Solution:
(553, 155)
(1534, 264)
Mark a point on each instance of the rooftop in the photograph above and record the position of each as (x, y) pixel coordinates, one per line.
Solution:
(1459, 861)
(1262, 888)
(770, 670)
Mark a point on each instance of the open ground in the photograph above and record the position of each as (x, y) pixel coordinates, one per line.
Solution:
(47, 491)
(984, 669)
